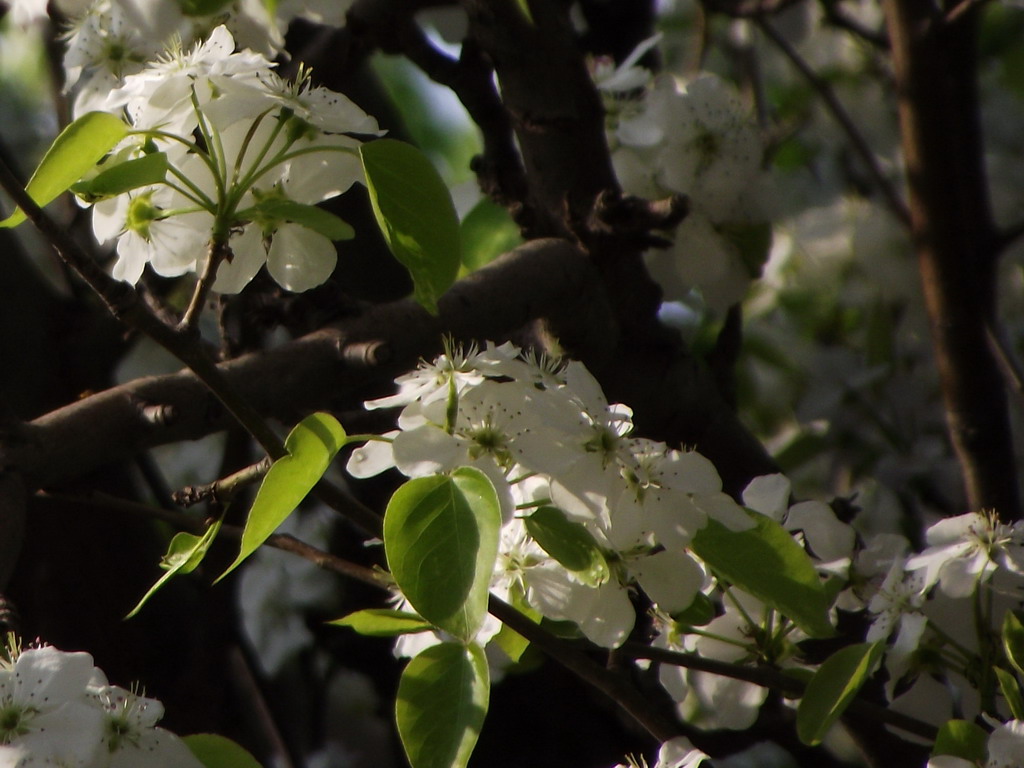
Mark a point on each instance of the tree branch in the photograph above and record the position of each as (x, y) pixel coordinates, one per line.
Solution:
(954, 237)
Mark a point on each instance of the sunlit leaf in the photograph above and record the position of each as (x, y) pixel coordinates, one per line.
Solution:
(383, 622)
(215, 751)
(441, 542)
(73, 153)
(1011, 692)
(123, 177)
(570, 543)
(441, 705)
(184, 554)
(415, 213)
(311, 446)
(833, 687)
(487, 232)
(964, 739)
(326, 223)
(766, 562)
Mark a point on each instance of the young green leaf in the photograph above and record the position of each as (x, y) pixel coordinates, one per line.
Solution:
(487, 232)
(441, 705)
(122, 177)
(74, 152)
(766, 562)
(1013, 640)
(1011, 692)
(309, 216)
(832, 689)
(414, 211)
(964, 739)
(441, 542)
(311, 446)
(215, 751)
(569, 543)
(184, 554)
(383, 622)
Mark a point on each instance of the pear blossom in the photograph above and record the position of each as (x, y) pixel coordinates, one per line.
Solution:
(674, 753)
(966, 550)
(161, 95)
(45, 714)
(130, 733)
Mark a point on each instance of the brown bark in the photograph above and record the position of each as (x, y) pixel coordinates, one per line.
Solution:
(935, 69)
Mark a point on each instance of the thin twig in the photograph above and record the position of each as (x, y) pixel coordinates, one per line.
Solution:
(223, 489)
(957, 12)
(1003, 353)
(775, 680)
(857, 140)
(217, 253)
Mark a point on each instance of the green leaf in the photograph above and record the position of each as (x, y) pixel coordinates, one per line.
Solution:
(1013, 640)
(184, 554)
(441, 705)
(326, 223)
(311, 446)
(570, 543)
(766, 562)
(1011, 692)
(383, 622)
(964, 739)
(832, 689)
(487, 232)
(215, 751)
(441, 542)
(415, 213)
(698, 614)
(122, 177)
(73, 153)
(524, 8)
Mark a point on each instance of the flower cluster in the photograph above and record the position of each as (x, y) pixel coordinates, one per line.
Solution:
(247, 155)
(57, 708)
(559, 455)
(107, 40)
(698, 140)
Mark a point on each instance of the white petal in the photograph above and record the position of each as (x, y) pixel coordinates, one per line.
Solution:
(671, 579)
(299, 258)
(424, 451)
(769, 495)
(248, 256)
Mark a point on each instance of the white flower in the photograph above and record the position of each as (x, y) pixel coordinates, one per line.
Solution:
(161, 95)
(130, 735)
(679, 753)
(966, 550)
(429, 383)
(897, 608)
(1006, 746)
(675, 753)
(149, 232)
(829, 541)
(327, 110)
(45, 715)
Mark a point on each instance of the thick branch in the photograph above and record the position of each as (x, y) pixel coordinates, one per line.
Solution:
(935, 69)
